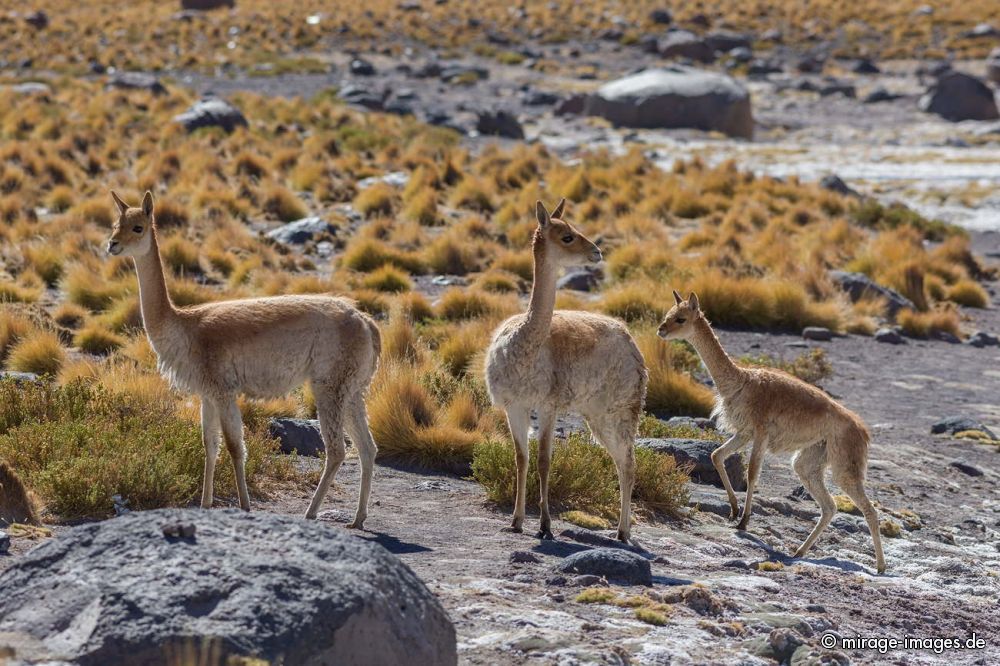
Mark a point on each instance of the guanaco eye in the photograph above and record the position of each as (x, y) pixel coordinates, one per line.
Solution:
(137, 229)
(568, 238)
(680, 320)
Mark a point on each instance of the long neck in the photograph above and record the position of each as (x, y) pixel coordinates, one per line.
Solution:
(154, 301)
(724, 372)
(543, 297)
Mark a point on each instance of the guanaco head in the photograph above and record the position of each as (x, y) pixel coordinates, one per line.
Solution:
(679, 322)
(561, 241)
(133, 232)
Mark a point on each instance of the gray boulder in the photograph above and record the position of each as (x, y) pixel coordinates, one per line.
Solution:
(835, 183)
(581, 279)
(211, 112)
(983, 339)
(136, 81)
(301, 231)
(129, 590)
(879, 94)
(725, 41)
(817, 333)
(889, 336)
(675, 97)
(956, 424)
(859, 285)
(966, 468)
(499, 123)
(956, 96)
(614, 564)
(697, 454)
(301, 436)
(685, 44)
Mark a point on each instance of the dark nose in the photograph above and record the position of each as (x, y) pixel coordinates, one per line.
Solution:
(596, 256)
(112, 246)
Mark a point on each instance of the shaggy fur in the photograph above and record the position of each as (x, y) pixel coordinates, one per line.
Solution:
(17, 504)
(783, 414)
(557, 361)
(262, 347)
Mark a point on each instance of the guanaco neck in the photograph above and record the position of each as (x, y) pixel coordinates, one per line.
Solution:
(725, 373)
(538, 322)
(154, 301)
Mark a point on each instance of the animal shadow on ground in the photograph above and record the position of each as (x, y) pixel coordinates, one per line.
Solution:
(777, 556)
(393, 544)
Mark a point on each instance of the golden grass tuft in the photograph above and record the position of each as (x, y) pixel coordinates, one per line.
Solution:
(281, 203)
(671, 390)
(924, 324)
(96, 339)
(40, 352)
(376, 200)
(585, 520)
(968, 293)
(387, 278)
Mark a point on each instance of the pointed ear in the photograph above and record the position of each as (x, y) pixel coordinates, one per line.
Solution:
(558, 212)
(693, 302)
(677, 297)
(147, 204)
(122, 206)
(541, 215)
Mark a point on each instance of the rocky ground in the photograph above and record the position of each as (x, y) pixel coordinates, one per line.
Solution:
(508, 602)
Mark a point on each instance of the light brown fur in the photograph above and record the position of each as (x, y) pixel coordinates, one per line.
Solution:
(782, 414)
(262, 347)
(555, 361)
(17, 504)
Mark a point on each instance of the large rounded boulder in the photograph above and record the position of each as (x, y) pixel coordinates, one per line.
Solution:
(956, 96)
(675, 97)
(142, 587)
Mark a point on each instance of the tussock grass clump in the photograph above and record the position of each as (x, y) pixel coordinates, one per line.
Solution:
(924, 324)
(85, 288)
(811, 366)
(69, 315)
(78, 445)
(671, 389)
(969, 293)
(387, 278)
(366, 255)
(11, 292)
(582, 477)
(457, 304)
(585, 520)
(180, 255)
(39, 352)
(283, 204)
(96, 339)
(423, 208)
(46, 261)
(376, 200)
(13, 328)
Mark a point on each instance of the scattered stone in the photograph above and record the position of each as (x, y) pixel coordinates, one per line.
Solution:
(955, 424)
(890, 336)
(301, 231)
(724, 41)
(859, 285)
(136, 81)
(19, 377)
(361, 96)
(835, 183)
(966, 468)
(302, 436)
(205, 5)
(37, 19)
(524, 557)
(741, 54)
(816, 608)
(810, 64)
(865, 66)
(983, 339)
(119, 592)
(573, 105)
(675, 97)
(30, 88)
(956, 96)
(211, 112)
(924, 10)
(736, 564)
(588, 580)
(783, 642)
(817, 333)
(428, 70)
(454, 73)
(614, 564)
(760, 67)
(772, 35)
(592, 538)
(361, 67)
(179, 530)
(4, 543)
(982, 30)
(945, 336)
(540, 98)
(581, 279)
(697, 453)
(993, 65)
(685, 44)
(661, 16)
(691, 422)
(878, 95)
(499, 123)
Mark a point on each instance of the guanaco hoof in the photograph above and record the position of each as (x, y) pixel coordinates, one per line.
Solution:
(545, 534)
(513, 529)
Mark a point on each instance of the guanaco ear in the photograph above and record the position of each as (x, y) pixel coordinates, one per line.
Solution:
(147, 204)
(541, 215)
(558, 212)
(122, 206)
(677, 298)
(693, 302)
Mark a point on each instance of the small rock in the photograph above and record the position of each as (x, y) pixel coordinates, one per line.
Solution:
(178, 530)
(556, 581)
(879, 94)
(37, 19)
(361, 96)
(783, 643)
(889, 336)
(661, 16)
(685, 44)
(19, 377)
(865, 66)
(956, 424)
(592, 538)
(581, 279)
(499, 123)
(772, 35)
(588, 580)
(614, 564)
(966, 468)
(540, 98)
(834, 183)
(982, 30)
(817, 333)
(810, 64)
(859, 286)
(741, 54)
(137, 81)
(762, 67)
(571, 106)
(30, 88)
(724, 41)
(211, 112)
(945, 336)
(205, 5)
(983, 339)
(736, 564)
(361, 67)
(297, 435)
(454, 73)
(301, 231)
(816, 608)
(956, 96)
(524, 557)
(993, 65)
(691, 422)
(4, 543)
